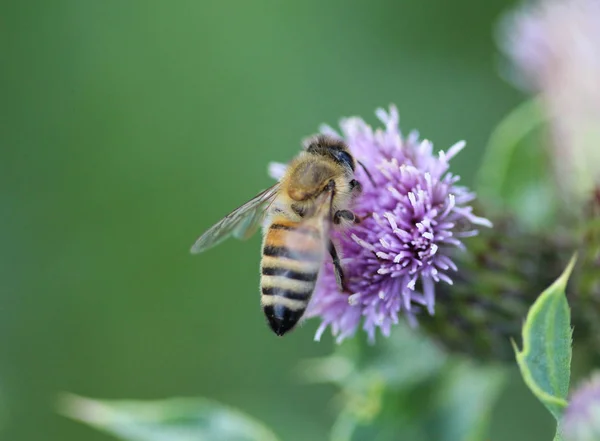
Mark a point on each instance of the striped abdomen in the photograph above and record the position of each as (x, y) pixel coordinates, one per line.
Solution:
(292, 256)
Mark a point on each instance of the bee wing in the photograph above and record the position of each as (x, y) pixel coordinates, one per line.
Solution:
(241, 222)
(249, 224)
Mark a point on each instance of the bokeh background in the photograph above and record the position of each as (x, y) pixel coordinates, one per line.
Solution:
(127, 128)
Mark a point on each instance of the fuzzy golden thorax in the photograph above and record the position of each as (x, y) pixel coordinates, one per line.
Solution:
(309, 175)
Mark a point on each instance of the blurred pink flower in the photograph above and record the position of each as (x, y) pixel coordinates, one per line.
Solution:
(555, 47)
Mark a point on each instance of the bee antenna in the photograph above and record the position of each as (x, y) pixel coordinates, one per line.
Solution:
(367, 172)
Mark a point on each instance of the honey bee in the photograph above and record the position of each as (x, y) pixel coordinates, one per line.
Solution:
(314, 195)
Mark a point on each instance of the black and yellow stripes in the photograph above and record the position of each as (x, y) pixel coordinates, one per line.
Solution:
(289, 273)
(292, 256)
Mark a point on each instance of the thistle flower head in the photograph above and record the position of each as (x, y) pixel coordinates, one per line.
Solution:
(413, 213)
(581, 421)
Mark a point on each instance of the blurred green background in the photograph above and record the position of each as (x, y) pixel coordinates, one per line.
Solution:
(130, 127)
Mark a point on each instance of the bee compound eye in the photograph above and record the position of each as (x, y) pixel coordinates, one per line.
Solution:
(343, 157)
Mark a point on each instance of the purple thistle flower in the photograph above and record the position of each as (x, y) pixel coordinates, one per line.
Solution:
(581, 421)
(413, 214)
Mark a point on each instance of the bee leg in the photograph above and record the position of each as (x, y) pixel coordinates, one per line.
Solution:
(356, 187)
(362, 218)
(299, 209)
(345, 215)
(340, 279)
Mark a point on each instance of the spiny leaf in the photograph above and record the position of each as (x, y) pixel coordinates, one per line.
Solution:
(545, 360)
(175, 419)
(558, 436)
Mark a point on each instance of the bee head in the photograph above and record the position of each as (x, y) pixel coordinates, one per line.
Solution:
(332, 148)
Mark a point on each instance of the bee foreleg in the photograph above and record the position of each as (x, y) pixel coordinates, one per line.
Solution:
(337, 268)
(355, 187)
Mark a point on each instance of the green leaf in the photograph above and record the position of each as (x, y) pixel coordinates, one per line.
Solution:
(406, 388)
(466, 399)
(515, 174)
(558, 436)
(545, 360)
(399, 371)
(380, 361)
(176, 419)
(455, 405)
